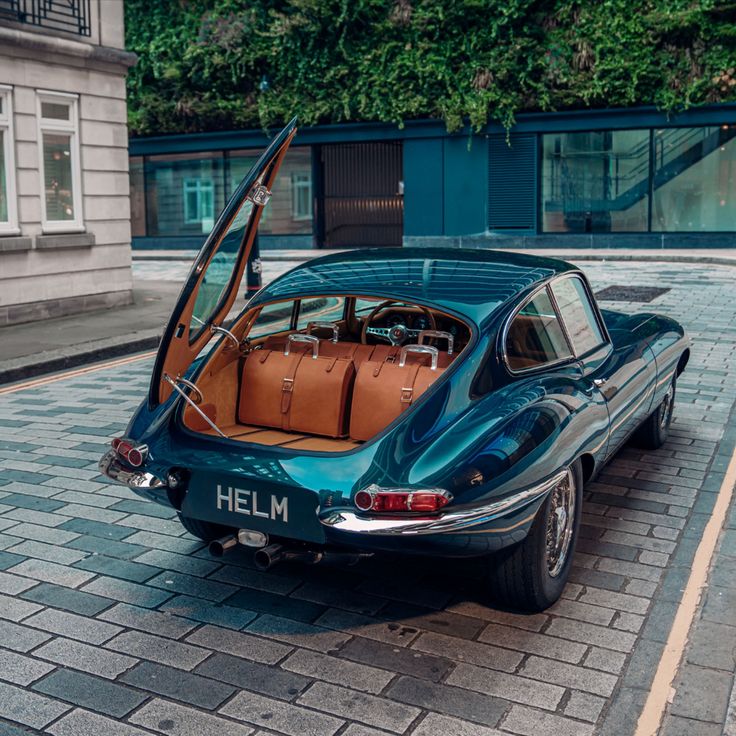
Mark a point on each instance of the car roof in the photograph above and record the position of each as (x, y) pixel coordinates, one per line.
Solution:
(474, 283)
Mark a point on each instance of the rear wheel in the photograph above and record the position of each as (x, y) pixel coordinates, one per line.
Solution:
(654, 430)
(204, 530)
(531, 575)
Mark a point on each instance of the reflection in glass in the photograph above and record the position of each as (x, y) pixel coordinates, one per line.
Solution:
(220, 270)
(694, 179)
(289, 211)
(3, 179)
(595, 181)
(57, 173)
(577, 314)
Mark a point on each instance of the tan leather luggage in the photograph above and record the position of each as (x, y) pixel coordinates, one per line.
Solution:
(383, 390)
(296, 391)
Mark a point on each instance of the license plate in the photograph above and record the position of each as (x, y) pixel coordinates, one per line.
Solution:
(246, 504)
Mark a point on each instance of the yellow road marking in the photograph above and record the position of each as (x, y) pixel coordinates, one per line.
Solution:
(651, 717)
(75, 372)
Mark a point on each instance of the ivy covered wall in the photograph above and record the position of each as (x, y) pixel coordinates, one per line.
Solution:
(224, 64)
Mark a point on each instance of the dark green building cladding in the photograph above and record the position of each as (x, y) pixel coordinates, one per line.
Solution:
(612, 178)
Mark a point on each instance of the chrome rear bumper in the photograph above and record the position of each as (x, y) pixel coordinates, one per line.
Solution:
(451, 521)
(110, 466)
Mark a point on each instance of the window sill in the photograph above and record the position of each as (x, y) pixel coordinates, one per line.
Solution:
(14, 244)
(65, 240)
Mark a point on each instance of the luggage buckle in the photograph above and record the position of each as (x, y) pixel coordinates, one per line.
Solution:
(406, 395)
(288, 385)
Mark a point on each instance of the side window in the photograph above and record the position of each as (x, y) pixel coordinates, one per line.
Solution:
(535, 336)
(273, 317)
(320, 309)
(577, 314)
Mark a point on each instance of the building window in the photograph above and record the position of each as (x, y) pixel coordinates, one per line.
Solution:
(8, 207)
(199, 201)
(183, 194)
(595, 182)
(301, 195)
(58, 141)
(694, 181)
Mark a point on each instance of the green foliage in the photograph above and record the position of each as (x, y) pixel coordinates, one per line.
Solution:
(219, 64)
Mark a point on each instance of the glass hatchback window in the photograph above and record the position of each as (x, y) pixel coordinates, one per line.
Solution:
(535, 336)
(273, 317)
(577, 314)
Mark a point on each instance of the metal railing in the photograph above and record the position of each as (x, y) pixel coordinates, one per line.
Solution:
(72, 16)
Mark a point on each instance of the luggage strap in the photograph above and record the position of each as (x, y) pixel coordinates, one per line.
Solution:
(407, 392)
(287, 388)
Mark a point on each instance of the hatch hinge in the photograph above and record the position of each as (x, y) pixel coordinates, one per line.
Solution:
(259, 195)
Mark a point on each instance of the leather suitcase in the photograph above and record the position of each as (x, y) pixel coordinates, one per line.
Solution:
(296, 391)
(383, 390)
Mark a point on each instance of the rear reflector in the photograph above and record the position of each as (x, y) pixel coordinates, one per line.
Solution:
(379, 500)
(132, 454)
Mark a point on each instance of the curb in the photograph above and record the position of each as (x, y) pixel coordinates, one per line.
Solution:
(52, 361)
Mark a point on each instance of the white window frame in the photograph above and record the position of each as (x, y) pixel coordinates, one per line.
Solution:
(298, 184)
(70, 126)
(198, 186)
(9, 226)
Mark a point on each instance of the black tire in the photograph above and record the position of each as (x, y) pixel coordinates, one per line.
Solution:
(526, 577)
(204, 530)
(652, 434)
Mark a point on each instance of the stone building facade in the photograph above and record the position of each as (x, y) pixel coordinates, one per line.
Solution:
(64, 183)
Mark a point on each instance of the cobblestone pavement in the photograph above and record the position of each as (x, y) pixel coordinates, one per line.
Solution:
(114, 621)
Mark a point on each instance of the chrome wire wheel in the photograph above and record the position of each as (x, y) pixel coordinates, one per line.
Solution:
(668, 405)
(560, 524)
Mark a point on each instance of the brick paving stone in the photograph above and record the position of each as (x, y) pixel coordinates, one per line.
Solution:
(240, 644)
(584, 706)
(178, 720)
(83, 723)
(285, 718)
(158, 649)
(253, 676)
(178, 685)
(297, 633)
(12, 584)
(123, 590)
(529, 722)
(276, 605)
(109, 547)
(702, 693)
(605, 659)
(50, 572)
(534, 643)
(69, 599)
(592, 614)
(369, 709)
(50, 552)
(678, 726)
(619, 601)
(569, 675)
(246, 578)
(28, 708)
(207, 612)
(190, 585)
(88, 527)
(338, 671)
(180, 563)
(368, 627)
(430, 620)
(180, 545)
(438, 725)
(415, 593)
(475, 652)
(20, 638)
(124, 569)
(707, 646)
(21, 670)
(418, 663)
(575, 631)
(145, 619)
(72, 626)
(510, 687)
(90, 692)
(85, 657)
(15, 609)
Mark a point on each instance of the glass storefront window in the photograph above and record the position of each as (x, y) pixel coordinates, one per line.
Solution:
(184, 193)
(3, 184)
(595, 181)
(694, 179)
(290, 210)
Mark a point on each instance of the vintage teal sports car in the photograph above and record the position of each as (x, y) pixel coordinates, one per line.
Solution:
(429, 401)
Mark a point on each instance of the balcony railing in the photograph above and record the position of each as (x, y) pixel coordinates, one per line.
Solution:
(71, 16)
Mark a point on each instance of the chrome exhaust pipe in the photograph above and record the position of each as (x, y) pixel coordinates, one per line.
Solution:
(268, 556)
(219, 547)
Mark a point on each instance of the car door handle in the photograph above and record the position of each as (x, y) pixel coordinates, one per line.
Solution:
(599, 382)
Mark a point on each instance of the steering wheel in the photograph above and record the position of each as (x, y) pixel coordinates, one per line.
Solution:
(396, 335)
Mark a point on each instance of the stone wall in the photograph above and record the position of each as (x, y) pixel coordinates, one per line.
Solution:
(51, 274)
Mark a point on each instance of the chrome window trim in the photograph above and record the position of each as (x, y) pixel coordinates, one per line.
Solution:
(505, 330)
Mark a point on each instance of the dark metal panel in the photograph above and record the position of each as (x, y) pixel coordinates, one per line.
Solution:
(423, 187)
(362, 205)
(512, 183)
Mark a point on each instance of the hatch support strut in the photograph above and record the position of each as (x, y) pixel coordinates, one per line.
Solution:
(190, 401)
